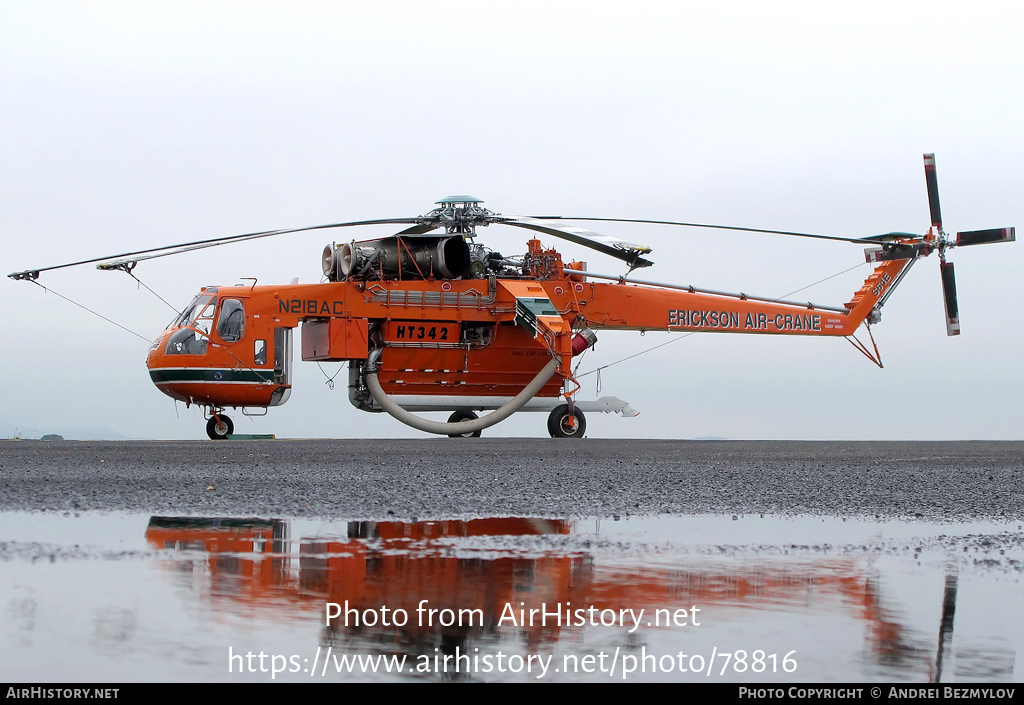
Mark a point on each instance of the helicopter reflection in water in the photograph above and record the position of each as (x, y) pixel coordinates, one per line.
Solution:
(497, 568)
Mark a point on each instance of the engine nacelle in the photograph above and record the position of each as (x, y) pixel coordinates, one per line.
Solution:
(407, 257)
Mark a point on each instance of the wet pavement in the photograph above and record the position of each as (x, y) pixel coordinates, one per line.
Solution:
(511, 560)
(439, 478)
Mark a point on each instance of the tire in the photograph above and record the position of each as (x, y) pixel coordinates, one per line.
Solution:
(558, 422)
(219, 431)
(463, 415)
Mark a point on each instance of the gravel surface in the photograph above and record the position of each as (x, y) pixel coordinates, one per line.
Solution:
(458, 478)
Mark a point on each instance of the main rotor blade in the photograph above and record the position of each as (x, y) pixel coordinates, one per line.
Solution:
(982, 237)
(167, 250)
(419, 229)
(613, 247)
(949, 297)
(933, 190)
(860, 240)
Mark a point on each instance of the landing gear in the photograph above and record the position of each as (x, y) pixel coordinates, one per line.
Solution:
(219, 427)
(463, 415)
(565, 424)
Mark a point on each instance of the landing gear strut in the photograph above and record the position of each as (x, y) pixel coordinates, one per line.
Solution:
(219, 427)
(463, 415)
(563, 423)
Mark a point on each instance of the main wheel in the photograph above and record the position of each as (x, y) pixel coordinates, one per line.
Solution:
(463, 415)
(560, 422)
(219, 427)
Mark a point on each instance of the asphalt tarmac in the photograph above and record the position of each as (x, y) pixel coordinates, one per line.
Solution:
(441, 478)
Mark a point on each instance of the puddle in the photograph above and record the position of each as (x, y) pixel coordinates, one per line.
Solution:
(94, 598)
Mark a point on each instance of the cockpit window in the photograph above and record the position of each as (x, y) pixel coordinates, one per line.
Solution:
(199, 307)
(186, 341)
(231, 322)
(196, 322)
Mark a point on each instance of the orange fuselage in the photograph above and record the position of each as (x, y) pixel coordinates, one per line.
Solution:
(465, 338)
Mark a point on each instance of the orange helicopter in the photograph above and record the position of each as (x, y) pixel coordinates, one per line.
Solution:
(440, 322)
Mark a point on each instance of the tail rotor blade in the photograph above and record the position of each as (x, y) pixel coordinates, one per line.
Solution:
(949, 295)
(982, 237)
(933, 190)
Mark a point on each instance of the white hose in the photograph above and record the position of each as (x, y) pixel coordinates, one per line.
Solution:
(472, 425)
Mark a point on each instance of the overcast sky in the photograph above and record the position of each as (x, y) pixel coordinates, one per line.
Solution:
(133, 125)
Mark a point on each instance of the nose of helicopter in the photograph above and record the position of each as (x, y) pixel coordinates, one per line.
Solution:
(165, 376)
(184, 367)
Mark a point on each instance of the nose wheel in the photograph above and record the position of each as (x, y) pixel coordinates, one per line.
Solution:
(219, 427)
(566, 423)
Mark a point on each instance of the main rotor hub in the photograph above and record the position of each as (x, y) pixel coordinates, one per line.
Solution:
(459, 215)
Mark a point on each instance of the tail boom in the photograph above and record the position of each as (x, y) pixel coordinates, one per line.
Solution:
(644, 306)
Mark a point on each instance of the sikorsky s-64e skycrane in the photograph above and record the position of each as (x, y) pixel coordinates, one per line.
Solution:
(430, 319)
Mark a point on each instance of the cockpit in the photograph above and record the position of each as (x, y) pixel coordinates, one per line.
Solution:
(193, 326)
(219, 352)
